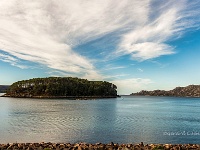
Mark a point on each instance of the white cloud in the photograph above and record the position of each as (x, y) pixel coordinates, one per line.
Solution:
(7, 58)
(13, 61)
(27, 32)
(108, 67)
(47, 32)
(93, 75)
(128, 86)
(149, 40)
(141, 70)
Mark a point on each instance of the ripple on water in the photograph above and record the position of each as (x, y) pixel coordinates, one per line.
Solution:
(127, 120)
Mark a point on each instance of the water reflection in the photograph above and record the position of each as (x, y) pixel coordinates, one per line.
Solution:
(133, 119)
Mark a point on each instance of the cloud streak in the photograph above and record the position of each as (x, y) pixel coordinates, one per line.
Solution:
(149, 40)
(13, 61)
(47, 32)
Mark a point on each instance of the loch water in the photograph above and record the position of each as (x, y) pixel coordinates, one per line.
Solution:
(128, 119)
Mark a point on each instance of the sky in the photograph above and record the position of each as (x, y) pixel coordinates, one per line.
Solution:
(135, 44)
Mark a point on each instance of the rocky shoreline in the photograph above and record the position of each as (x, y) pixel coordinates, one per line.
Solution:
(97, 146)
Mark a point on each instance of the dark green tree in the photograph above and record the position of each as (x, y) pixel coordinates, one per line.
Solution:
(61, 86)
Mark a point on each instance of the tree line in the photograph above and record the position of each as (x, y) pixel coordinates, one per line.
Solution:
(61, 86)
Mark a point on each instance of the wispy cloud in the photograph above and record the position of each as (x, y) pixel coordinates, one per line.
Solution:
(169, 21)
(116, 76)
(129, 86)
(7, 58)
(13, 61)
(159, 64)
(114, 67)
(139, 69)
(47, 32)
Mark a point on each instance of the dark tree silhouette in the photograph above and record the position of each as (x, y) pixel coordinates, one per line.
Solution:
(61, 86)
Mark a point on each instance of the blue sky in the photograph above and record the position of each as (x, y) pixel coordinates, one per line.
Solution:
(136, 44)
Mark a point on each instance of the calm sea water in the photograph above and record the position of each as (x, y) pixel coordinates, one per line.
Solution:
(122, 120)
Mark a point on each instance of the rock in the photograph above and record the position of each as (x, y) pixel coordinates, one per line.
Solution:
(97, 146)
(147, 147)
(61, 146)
(10, 147)
(4, 146)
(15, 147)
(167, 146)
(20, 145)
(136, 147)
(79, 148)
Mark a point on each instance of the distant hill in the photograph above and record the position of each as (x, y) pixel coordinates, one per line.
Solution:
(61, 87)
(188, 91)
(3, 88)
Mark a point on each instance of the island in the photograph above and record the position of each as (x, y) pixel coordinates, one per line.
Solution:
(61, 87)
(188, 91)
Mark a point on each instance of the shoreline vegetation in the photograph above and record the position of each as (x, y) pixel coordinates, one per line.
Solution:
(97, 146)
(188, 91)
(61, 87)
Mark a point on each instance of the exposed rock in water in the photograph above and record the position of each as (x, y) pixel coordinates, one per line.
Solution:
(188, 91)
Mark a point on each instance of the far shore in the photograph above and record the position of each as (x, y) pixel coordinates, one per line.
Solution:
(97, 146)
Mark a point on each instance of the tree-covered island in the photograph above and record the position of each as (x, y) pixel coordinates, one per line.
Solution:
(61, 87)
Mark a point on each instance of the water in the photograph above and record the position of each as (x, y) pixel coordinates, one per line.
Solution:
(121, 120)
